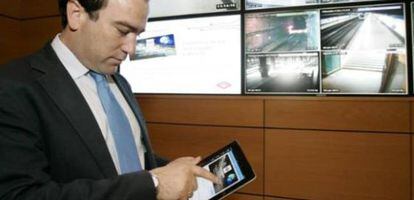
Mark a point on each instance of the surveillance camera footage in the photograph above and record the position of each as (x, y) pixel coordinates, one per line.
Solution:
(364, 50)
(281, 32)
(363, 28)
(364, 72)
(262, 4)
(340, 50)
(282, 52)
(282, 73)
(412, 34)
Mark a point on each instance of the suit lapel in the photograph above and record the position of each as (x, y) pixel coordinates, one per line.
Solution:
(68, 98)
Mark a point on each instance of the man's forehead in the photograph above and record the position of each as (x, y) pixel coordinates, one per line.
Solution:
(129, 2)
(131, 13)
(139, 8)
(122, 2)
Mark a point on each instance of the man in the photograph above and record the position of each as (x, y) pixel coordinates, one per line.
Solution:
(57, 137)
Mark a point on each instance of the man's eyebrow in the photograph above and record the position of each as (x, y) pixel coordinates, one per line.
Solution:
(130, 27)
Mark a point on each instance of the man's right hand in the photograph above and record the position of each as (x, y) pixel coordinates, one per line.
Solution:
(177, 180)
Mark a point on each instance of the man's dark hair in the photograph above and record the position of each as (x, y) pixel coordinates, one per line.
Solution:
(91, 7)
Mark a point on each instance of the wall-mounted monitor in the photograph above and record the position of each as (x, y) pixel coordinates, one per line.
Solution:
(263, 4)
(364, 50)
(187, 56)
(282, 73)
(358, 50)
(412, 40)
(282, 52)
(166, 8)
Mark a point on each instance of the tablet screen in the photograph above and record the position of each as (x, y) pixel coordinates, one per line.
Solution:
(231, 166)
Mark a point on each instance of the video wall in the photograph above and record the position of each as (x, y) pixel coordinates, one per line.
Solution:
(273, 47)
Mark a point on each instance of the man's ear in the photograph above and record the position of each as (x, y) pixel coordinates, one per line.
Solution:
(74, 12)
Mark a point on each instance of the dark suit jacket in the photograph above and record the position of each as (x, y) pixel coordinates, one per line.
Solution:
(50, 144)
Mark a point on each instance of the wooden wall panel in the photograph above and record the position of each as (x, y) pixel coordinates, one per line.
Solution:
(39, 31)
(412, 150)
(412, 116)
(243, 197)
(27, 9)
(362, 115)
(205, 111)
(275, 198)
(10, 47)
(10, 8)
(38, 8)
(279, 198)
(175, 141)
(19, 38)
(337, 165)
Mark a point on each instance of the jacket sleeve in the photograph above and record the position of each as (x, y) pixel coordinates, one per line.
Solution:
(25, 171)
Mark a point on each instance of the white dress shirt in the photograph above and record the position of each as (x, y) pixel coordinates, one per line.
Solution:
(87, 86)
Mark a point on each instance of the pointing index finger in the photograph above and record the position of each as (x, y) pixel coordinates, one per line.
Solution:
(201, 172)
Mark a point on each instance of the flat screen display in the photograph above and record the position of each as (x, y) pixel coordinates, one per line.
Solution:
(282, 52)
(350, 50)
(187, 56)
(262, 4)
(165, 8)
(364, 50)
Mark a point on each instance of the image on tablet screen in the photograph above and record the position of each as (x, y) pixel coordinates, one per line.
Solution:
(227, 169)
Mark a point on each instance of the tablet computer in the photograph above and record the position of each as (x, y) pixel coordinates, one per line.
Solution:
(231, 166)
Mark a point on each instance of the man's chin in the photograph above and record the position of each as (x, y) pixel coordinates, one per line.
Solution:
(114, 69)
(109, 70)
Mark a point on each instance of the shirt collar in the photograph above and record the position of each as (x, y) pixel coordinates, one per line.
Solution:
(72, 64)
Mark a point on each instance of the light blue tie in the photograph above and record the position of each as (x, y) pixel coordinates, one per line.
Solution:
(119, 125)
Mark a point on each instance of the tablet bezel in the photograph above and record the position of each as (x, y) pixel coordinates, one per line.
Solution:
(243, 163)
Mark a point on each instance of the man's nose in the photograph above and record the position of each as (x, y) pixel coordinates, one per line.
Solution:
(129, 45)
